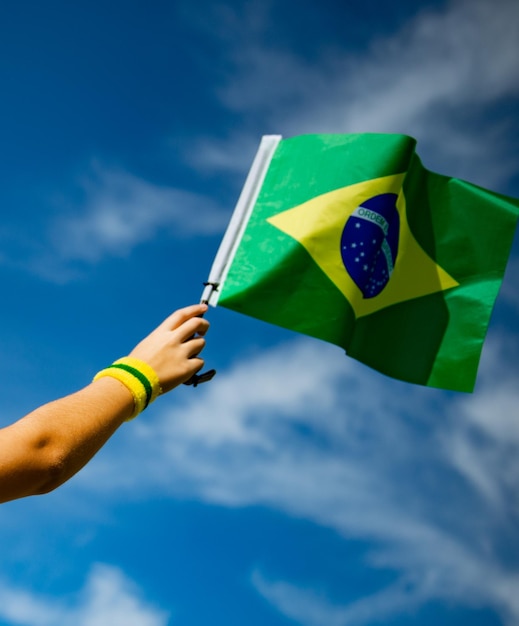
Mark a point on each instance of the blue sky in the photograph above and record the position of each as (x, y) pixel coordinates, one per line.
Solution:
(298, 487)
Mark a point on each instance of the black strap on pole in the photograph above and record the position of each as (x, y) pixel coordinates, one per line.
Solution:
(197, 379)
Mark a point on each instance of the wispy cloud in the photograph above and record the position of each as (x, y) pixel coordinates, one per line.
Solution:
(306, 606)
(122, 211)
(309, 608)
(436, 79)
(108, 599)
(118, 211)
(304, 430)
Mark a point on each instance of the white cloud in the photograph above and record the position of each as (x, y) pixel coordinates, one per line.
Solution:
(119, 212)
(485, 443)
(235, 155)
(309, 608)
(21, 607)
(434, 79)
(108, 599)
(428, 478)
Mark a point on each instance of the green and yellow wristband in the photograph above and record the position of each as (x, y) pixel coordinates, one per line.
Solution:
(139, 377)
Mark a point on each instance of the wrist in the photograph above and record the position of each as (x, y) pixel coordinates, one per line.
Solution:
(138, 377)
(116, 396)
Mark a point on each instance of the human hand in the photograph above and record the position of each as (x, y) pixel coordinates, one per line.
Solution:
(172, 349)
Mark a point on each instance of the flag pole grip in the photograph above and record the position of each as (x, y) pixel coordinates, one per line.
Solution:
(205, 377)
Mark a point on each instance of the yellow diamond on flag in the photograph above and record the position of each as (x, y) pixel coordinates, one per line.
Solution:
(318, 225)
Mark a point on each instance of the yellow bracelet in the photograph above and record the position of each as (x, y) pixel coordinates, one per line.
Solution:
(140, 379)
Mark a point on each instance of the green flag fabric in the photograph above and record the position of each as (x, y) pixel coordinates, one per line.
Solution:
(349, 239)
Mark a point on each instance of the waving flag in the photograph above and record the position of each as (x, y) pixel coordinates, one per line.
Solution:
(348, 238)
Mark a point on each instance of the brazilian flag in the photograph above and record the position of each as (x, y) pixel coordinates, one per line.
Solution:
(349, 239)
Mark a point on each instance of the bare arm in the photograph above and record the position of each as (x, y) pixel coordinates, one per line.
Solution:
(49, 445)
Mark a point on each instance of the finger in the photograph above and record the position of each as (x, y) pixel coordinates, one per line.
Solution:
(195, 365)
(192, 367)
(180, 316)
(203, 327)
(194, 347)
(191, 328)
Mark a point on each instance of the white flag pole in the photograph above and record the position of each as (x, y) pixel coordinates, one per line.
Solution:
(239, 218)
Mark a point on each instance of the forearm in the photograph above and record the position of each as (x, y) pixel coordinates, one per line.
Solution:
(45, 448)
(56, 440)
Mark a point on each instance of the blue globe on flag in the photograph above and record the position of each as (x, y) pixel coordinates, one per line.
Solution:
(369, 243)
